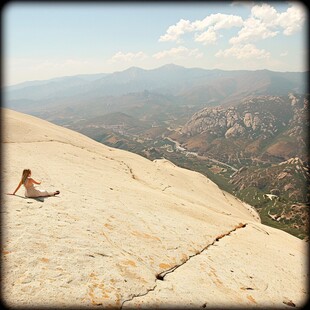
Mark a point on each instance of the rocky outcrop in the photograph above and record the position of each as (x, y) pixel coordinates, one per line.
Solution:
(249, 116)
(251, 120)
(236, 130)
(286, 181)
(211, 119)
(279, 122)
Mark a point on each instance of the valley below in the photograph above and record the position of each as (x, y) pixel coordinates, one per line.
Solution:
(250, 168)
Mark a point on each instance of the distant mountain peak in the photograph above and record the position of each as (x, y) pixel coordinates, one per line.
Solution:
(133, 69)
(172, 65)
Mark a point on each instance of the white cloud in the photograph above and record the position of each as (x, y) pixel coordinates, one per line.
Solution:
(253, 30)
(246, 51)
(207, 37)
(178, 52)
(265, 13)
(127, 57)
(175, 31)
(292, 20)
(228, 21)
(266, 22)
(218, 21)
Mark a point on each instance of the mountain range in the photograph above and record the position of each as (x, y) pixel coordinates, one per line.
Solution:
(172, 85)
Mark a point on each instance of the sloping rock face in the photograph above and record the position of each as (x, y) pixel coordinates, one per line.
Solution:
(128, 232)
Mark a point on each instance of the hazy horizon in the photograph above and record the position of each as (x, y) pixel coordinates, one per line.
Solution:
(132, 67)
(43, 41)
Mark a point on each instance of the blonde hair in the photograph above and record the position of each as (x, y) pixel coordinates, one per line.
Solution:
(25, 175)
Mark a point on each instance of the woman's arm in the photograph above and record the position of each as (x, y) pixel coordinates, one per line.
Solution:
(17, 188)
(34, 181)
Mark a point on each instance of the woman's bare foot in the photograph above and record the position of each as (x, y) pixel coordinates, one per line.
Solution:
(56, 193)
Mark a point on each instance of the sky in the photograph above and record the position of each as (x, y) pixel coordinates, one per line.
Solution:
(44, 40)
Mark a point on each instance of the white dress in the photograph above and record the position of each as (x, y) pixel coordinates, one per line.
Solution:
(33, 192)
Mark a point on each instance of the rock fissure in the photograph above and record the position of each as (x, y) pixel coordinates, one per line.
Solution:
(138, 295)
(161, 276)
(166, 188)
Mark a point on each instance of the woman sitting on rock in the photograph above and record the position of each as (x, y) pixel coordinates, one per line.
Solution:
(31, 190)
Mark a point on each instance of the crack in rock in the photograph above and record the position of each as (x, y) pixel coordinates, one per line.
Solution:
(162, 275)
(166, 188)
(138, 295)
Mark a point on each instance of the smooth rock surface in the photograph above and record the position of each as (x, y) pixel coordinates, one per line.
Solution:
(128, 232)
